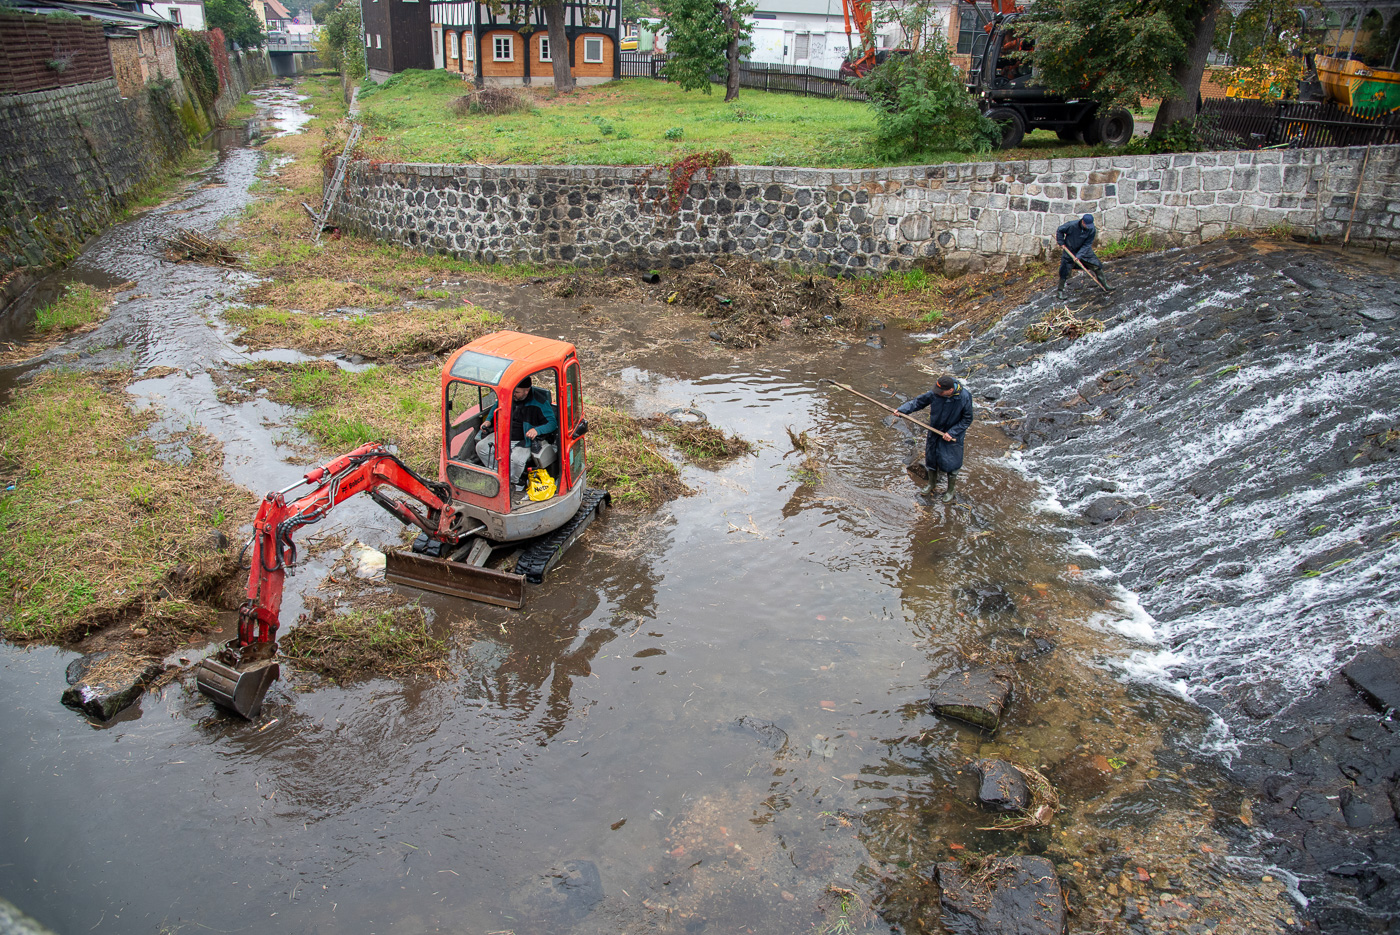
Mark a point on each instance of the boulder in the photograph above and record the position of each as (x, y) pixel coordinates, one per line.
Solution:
(1106, 509)
(102, 690)
(1376, 675)
(975, 695)
(1007, 896)
(1003, 787)
(987, 600)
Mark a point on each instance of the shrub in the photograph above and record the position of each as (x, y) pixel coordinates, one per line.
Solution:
(1184, 136)
(924, 106)
(494, 102)
(675, 133)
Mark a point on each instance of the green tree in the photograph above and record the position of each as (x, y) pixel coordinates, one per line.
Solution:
(705, 38)
(339, 44)
(237, 20)
(322, 9)
(1121, 51)
(924, 106)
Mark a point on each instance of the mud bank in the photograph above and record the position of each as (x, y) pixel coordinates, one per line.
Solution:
(1228, 445)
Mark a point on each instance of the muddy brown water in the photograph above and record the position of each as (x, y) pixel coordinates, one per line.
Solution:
(703, 721)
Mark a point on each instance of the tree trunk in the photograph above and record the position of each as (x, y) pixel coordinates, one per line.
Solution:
(1188, 73)
(558, 46)
(731, 84)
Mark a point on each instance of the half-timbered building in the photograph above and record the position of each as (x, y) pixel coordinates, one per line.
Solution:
(508, 43)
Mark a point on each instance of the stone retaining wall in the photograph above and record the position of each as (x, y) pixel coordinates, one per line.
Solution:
(957, 217)
(74, 157)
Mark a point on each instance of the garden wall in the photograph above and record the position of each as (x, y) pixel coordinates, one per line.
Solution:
(959, 217)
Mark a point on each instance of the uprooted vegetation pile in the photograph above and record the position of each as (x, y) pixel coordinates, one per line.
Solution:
(753, 303)
(378, 636)
(374, 335)
(192, 246)
(1062, 323)
(622, 459)
(100, 531)
(493, 102)
(698, 440)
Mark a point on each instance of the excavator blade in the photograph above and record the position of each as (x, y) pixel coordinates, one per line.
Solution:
(456, 578)
(241, 691)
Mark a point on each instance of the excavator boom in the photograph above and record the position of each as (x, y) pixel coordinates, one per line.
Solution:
(240, 674)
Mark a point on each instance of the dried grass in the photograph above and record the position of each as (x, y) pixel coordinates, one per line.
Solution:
(494, 102)
(621, 459)
(378, 637)
(698, 440)
(101, 532)
(192, 246)
(376, 336)
(1062, 323)
(1044, 803)
(754, 303)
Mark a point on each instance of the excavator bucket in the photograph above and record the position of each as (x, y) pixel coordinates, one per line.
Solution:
(241, 689)
(456, 578)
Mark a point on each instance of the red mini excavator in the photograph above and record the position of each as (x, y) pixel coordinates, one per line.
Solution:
(498, 388)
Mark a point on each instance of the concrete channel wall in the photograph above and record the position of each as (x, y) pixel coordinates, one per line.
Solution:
(958, 218)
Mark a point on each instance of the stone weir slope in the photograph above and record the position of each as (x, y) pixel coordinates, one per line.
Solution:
(1230, 440)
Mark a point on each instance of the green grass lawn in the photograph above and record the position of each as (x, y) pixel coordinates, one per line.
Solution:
(636, 121)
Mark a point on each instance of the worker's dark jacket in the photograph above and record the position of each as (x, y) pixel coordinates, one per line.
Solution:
(1080, 243)
(951, 414)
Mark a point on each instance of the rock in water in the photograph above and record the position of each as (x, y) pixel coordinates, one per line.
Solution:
(975, 695)
(1376, 674)
(110, 691)
(1003, 786)
(1009, 896)
(568, 892)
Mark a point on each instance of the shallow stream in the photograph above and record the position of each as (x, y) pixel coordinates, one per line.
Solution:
(709, 719)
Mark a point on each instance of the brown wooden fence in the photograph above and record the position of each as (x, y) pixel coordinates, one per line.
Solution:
(38, 53)
(761, 76)
(1246, 124)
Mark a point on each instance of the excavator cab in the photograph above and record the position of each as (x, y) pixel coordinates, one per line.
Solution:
(511, 404)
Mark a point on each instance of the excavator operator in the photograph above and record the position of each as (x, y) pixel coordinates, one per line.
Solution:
(532, 417)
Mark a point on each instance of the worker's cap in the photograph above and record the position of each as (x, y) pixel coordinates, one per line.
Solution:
(1087, 220)
(524, 384)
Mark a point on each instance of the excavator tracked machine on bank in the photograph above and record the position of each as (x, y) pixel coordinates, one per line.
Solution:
(467, 517)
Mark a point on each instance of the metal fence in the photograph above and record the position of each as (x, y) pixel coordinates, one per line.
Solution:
(1245, 124)
(761, 76)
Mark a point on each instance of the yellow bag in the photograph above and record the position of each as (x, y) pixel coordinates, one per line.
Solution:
(541, 484)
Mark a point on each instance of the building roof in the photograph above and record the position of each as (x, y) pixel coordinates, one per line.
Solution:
(104, 13)
(277, 9)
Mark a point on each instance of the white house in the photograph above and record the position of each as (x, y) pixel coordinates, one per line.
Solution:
(813, 32)
(187, 14)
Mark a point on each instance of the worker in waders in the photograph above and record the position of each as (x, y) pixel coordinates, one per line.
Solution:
(949, 414)
(1078, 235)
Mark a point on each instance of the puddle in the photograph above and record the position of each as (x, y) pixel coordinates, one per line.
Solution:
(703, 721)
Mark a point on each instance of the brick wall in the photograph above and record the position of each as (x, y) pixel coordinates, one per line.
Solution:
(29, 44)
(955, 217)
(125, 52)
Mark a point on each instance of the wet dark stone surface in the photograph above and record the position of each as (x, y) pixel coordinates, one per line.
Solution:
(1002, 786)
(1376, 675)
(1228, 440)
(1023, 898)
(1326, 785)
(977, 696)
(106, 697)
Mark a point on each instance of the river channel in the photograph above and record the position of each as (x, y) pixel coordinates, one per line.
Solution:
(712, 718)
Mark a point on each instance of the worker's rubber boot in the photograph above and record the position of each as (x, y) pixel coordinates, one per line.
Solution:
(952, 483)
(931, 487)
(1060, 293)
(1103, 278)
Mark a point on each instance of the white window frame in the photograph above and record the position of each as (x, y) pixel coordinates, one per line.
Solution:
(496, 41)
(369, 43)
(452, 46)
(379, 40)
(593, 61)
(468, 49)
(544, 49)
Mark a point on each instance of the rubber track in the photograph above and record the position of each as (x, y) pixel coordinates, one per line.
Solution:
(539, 554)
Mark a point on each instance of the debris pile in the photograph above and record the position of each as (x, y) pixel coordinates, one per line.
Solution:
(1062, 323)
(190, 245)
(754, 303)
